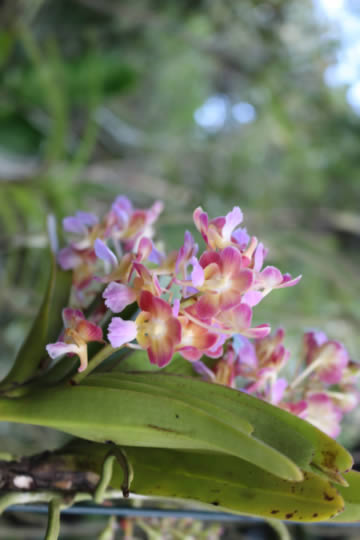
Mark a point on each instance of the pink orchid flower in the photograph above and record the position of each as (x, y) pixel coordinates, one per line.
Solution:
(326, 358)
(120, 269)
(119, 294)
(196, 340)
(77, 334)
(155, 329)
(224, 281)
(130, 224)
(238, 321)
(225, 370)
(323, 413)
(271, 278)
(271, 352)
(185, 254)
(221, 232)
(267, 386)
(81, 226)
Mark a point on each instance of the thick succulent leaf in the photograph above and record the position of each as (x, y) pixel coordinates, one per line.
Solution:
(145, 419)
(227, 483)
(45, 329)
(299, 440)
(351, 496)
(126, 382)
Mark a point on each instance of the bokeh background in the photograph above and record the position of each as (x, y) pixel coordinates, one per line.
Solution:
(195, 102)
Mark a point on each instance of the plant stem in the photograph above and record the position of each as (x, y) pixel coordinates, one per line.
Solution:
(280, 528)
(53, 525)
(311, 367)
(102, 355)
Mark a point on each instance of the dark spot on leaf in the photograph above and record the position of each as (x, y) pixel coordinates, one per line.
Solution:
(315, 515)
(176, 416)
(328, 497)
(158, 428)
(290, 515)
(215, 503)
(329, 459)
(275, 511)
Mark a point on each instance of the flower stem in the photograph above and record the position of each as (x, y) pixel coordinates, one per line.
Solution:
(311, 367)
(102, 355)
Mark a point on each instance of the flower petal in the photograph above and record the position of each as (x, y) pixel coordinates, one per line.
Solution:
(271, 277)
(322, 413)
(161, 351)
(232, 220)
(118, 296)
(230, 261)
(87, 218)
(203, 370)
(74, 225)
(288, 281)
(201, 221)
(207, 306)
(241, 237)
(258, 332)
(121, 331)
(156, 306)
(252, 298)
(89, 331)
(104, 253)
(71, 316)
(197, 274)
(210, 257)
(333, 359)
(145, 249)
(277, 390)
(68, 258)
(59, 348)
(238, 318)
(154, 212)
(191, 354)
(259, 256)
(122, 202)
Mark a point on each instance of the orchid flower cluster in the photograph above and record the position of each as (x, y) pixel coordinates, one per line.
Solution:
(198, 304)
(322, 389)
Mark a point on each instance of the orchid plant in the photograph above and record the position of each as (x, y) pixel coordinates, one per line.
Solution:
(200, 305)
(117, 304)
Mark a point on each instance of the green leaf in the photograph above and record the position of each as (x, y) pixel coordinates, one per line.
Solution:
(225, 483)
(135, 418)
(302, 442)
(351, 496)
(45, 329)
(170, 411)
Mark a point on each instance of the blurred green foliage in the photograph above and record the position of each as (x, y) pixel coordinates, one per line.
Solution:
(97, 98)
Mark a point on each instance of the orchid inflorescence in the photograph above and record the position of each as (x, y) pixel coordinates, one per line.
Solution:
(197, 304)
